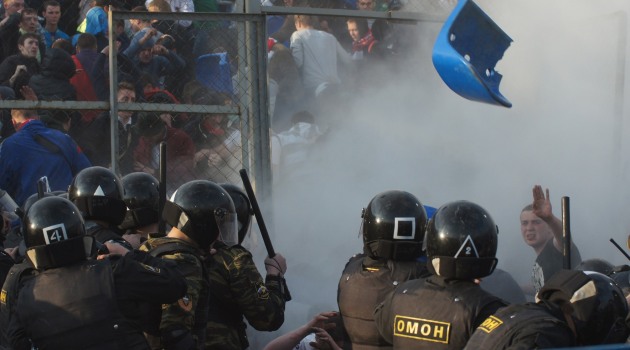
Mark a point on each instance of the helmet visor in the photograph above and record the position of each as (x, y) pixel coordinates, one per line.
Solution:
(228, 227)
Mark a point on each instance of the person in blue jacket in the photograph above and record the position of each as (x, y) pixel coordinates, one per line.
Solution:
(35, 151)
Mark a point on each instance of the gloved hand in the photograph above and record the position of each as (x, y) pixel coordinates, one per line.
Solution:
(276, 266)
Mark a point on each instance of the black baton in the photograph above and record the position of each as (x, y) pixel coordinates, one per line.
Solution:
(257, 213)
(162, 190)
(566, 233)
(261, 225)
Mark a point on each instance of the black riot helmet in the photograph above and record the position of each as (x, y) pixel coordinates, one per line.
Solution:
(461, 241)
(597, 265)
(605, 316)
(203, 211)
(54, 233)
(621, 276)
(393, 226)
(98, 193)
(243, 208)
(32, 199)
(598, 305)
(142, 197)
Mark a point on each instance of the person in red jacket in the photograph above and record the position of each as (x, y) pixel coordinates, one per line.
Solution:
(180, 150)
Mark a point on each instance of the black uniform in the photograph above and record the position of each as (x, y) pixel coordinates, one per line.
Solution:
(104, 234)
(110, 289)
(434, 313)
(363, 284)
(101, 233)
(6, 262)
(524, 326)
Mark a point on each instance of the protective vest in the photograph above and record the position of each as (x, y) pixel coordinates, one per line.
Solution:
(522, 325)
(54, 306)
(362, 286)
(432, 316)
(201, 311)
(224, 311)
(9, 295)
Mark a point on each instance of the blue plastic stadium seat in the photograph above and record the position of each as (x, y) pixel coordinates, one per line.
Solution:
(466, 51)
(213, 71)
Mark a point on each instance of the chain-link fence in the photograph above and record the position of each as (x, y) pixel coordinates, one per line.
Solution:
(210, 85)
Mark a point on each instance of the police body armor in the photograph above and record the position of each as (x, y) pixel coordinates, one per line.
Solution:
(362, 286)
(502, 329)
(201, 311)
(225, 311)
(75, 305)
(9, 295)
(430, 316)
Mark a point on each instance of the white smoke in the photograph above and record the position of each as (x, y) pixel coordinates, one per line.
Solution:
(565, 74)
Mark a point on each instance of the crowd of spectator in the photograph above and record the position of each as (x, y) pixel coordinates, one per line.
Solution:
(60, 50)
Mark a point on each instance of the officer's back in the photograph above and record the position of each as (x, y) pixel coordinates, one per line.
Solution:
(442, 311)
(393, 227)
(573, 308)
(237, 290)
(68, 301)
(199, 212)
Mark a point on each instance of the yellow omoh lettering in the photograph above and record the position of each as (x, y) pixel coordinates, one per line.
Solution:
(412, 327)
(425, 329)
(400, 325)
(491, 323)
(421, 329)
(438, 331)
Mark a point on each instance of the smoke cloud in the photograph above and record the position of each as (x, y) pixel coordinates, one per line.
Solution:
(565, 74)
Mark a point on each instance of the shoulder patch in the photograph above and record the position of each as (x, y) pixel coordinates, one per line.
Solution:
(185, 303)
(153, 269)
(491, 323)
(421, 329)
(261, 291)
(237, 260)
(3, 297)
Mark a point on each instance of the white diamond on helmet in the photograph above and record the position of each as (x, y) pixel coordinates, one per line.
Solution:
(467, 249)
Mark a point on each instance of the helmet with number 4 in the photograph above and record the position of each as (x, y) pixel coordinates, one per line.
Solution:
(54, 233)
(461, 241)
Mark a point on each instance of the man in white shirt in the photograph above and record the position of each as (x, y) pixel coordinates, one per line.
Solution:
(316, 54)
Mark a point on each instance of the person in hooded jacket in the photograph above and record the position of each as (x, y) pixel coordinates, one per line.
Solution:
(52, 83)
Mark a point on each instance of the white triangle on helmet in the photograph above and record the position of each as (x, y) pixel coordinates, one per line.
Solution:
(99, 192)
(468, 248)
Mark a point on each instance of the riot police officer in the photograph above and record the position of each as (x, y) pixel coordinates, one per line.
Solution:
(66, 300)
(443, 310)
(98, 194)
(141, 194)
(237, 289)
(573, 308)
(393, 226)
(199, 212)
